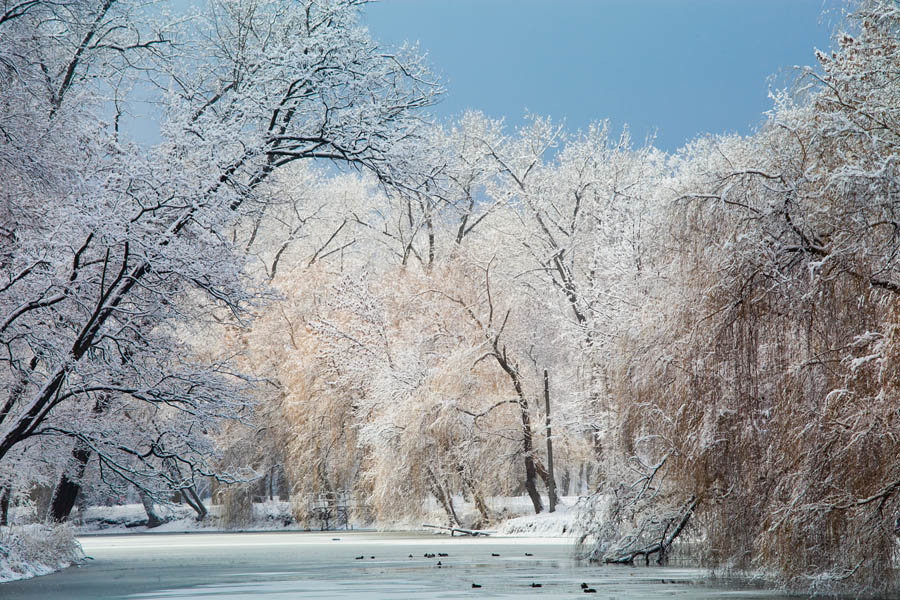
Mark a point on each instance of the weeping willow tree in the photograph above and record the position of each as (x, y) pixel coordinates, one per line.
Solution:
(759, 402)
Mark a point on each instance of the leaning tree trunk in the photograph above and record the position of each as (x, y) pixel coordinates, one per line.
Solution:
(443, 498)
(671, 529)
(67, 489)
(477, 498)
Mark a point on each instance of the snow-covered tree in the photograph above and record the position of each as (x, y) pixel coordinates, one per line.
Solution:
(108, 248)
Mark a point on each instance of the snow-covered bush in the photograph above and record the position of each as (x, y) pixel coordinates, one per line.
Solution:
(36, 549)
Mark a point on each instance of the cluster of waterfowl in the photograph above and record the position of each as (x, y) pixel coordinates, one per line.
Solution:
(584, 587)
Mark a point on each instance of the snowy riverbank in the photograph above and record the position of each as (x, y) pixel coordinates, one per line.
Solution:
(37, 549)
(515, 519)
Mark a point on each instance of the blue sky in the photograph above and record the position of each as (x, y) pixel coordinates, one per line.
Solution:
(680, 68)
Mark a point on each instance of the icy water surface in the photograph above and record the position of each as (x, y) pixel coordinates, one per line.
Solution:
(293, 566)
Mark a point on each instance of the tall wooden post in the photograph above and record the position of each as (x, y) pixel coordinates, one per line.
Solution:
(552, 482)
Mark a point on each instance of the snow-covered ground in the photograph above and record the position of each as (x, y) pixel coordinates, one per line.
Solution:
(516, 518)
(562, 523)
(131, 518)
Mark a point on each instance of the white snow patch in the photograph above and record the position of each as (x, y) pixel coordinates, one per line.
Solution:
(561, 523)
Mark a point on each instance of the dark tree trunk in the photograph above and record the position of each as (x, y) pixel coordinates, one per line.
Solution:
(549, 482)
(4, 506)
(67, 489)
(549, 479)
(528, 451)
(531, 484)
(527, 438)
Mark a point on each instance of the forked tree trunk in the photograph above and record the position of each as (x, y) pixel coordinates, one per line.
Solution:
(153, 519)
(528, 451)
(531, 486)
(188, 493)
(549, 483)
(443, 498)
(191, 496)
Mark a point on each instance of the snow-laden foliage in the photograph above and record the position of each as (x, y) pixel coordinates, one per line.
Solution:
(408, 353)
(31, 550)
(110, 252)
(385, 391)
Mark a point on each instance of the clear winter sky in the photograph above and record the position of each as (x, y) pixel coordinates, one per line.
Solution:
(677, 67)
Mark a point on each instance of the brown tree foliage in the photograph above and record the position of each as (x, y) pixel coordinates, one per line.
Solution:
(763, 383)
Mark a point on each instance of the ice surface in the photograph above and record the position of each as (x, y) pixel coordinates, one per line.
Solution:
(275, 566)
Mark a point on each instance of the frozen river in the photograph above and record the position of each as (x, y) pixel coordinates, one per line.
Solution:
(282, 566)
